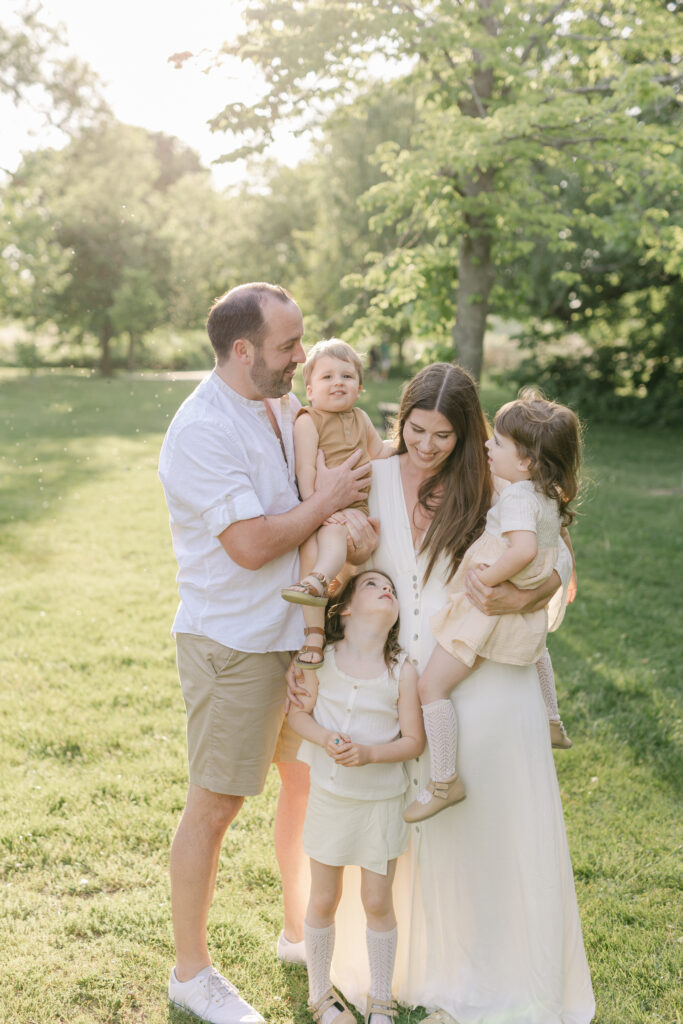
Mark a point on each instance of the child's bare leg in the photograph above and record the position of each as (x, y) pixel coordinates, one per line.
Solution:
(381, 937)
(442, 674)
(326, 888)
(331, 549)
(321, 557)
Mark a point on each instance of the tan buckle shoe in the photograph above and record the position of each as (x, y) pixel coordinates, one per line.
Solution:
(439, 1017)
(443, 794)
(558, 736)
(375, 1005)
(331, 998)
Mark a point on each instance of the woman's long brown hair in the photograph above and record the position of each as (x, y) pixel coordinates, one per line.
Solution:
(459, 495)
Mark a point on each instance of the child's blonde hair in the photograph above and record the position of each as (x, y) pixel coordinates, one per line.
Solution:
(332, 347)
(549, 435)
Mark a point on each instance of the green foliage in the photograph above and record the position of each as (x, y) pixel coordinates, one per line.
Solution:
(119, 231)
(513, 102)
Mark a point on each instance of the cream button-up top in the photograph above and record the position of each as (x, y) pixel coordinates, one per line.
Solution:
(366, 710)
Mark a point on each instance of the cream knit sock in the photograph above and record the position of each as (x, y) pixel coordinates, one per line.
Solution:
(441, 727)
(382, 956)
(319, 949)
(546, 676)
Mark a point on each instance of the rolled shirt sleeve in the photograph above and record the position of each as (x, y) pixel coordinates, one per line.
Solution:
(210, 480)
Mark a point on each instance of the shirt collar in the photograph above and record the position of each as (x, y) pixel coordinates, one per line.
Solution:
(255, 404)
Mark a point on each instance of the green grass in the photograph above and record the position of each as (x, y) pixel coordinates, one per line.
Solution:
(92, 722)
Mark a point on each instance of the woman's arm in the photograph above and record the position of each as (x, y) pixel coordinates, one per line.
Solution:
(409, 744)
(573, 586)
(506, 598)
(522, 550)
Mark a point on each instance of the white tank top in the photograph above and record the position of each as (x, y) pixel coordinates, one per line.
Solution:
(367, 711)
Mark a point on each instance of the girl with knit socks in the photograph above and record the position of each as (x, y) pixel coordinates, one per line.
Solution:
(360, 721)
(534, 455)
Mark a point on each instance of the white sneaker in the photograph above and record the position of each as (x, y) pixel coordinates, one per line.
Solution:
(212, 998)
(291, 952)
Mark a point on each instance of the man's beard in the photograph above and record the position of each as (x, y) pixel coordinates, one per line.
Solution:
(269, 383)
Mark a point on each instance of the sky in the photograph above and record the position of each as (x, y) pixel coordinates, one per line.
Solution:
(128, 44)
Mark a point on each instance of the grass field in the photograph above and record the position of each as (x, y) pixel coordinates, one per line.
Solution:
(92, 722)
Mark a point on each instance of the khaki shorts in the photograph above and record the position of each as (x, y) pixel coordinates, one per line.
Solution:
(235, 712)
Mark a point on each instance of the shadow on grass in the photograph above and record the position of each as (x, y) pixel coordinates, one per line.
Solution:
(47, 420)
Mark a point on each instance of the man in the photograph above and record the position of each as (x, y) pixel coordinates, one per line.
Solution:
(227, 468)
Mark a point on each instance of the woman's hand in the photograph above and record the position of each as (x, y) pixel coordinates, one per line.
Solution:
(506, 598)
(295, 687)
(572, 586)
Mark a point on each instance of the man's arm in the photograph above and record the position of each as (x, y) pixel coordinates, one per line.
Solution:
(252, 543)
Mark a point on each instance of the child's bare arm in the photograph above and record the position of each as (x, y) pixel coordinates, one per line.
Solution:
(523, 548)
(305, 453)
(377, 448)
(301, 718)
(409, 744)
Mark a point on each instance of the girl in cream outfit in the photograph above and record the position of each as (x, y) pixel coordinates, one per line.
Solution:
(360, 721)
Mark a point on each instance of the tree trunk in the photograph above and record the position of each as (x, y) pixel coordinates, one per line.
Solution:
(132, 344)
(106, 368)
(475, 279)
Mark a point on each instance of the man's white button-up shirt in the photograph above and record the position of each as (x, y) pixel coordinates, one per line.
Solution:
(221, 462)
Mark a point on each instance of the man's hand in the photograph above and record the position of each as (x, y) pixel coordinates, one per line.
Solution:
(295, 687)
(362, 536)
(343, 485)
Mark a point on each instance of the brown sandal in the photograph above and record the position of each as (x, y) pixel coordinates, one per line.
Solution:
(305, 592)
(311, 666)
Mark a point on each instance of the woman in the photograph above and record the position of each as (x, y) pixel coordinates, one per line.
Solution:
(488, 921)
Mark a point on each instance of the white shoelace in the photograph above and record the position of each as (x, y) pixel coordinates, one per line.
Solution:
(218, 988)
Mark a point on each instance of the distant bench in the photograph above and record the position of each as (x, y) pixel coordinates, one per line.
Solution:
(388, 411)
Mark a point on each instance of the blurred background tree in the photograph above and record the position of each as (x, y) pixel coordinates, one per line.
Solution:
(465, 159)
(544, 148)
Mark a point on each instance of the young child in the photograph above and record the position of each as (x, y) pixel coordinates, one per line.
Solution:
(333, 376)
(536, 448)
(361, 720)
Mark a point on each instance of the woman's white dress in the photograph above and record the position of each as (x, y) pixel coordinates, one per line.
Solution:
(488, 923)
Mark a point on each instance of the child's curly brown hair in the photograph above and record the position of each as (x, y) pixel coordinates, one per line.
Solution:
(549, 435)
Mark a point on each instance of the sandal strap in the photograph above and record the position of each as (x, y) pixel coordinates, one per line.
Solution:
(324, 1003)
(313, 629)
(384, 1006)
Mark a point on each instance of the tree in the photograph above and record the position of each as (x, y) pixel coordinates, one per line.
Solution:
(38, 70)
(515, 98)
(92, 211)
